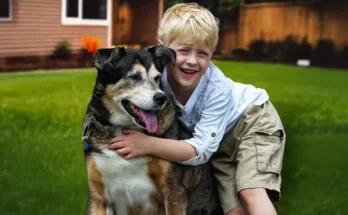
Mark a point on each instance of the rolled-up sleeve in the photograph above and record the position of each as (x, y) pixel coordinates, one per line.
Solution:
(210, 129)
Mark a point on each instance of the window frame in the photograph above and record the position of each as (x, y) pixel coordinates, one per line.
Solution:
(80, 21)
(9, 13)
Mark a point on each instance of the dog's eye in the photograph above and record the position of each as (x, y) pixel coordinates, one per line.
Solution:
(157, 79)
(135, 77)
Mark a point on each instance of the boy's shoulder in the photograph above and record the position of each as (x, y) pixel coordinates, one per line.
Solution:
(220, 82)
(217, 78)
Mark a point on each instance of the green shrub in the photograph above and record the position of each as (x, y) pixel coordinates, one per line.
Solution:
(241, 54)
(305, 49)
(274, 50)
(343, 57)
(62, 50)
(286, 51)
(258, 49)
(324, 54)
(290, 50)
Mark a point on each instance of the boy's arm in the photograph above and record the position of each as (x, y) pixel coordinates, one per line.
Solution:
(210, 129)
(135, 144)
(207, 135)
(172, 150)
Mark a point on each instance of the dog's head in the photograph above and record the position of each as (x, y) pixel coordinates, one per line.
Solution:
(127, 91)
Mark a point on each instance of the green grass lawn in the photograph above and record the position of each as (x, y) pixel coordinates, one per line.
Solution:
(42, 164)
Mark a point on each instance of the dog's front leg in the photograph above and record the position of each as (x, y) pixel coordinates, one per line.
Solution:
(96, 198)
(96, 207)
(175, 201)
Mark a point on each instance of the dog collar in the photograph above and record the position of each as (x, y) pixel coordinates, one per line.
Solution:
(86, 145)
(86, 132)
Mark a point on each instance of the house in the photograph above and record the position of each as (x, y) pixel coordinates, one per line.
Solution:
(35, 27)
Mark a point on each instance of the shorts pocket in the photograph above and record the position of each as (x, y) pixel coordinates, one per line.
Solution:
(269, 150)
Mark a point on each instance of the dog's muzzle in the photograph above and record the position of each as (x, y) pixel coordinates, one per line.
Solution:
(160, 98)
(146, 118)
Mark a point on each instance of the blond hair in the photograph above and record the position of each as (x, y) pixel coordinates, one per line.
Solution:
(188, 23)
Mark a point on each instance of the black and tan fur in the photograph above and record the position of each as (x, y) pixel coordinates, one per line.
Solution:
(146, 185)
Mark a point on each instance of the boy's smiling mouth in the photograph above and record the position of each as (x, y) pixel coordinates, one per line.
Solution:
(188, 72)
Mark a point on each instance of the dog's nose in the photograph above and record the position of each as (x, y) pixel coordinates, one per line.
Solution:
(160, 98)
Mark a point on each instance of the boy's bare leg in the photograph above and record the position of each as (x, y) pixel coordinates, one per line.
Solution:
(256, 201)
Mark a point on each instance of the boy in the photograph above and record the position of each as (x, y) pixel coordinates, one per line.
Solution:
(248, 160)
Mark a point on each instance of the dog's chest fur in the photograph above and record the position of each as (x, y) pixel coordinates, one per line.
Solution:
(126, 181)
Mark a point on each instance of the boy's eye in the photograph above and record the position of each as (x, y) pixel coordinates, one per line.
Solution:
(203, 53)
(183, 50)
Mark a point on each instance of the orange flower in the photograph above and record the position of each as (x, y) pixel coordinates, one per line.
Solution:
(91, 44)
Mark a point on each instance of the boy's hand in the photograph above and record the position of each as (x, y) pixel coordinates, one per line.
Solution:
(132, 145)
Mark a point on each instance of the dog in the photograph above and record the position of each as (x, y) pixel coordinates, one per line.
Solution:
(127, 94)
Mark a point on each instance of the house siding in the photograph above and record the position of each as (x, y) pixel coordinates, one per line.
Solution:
(36, 28)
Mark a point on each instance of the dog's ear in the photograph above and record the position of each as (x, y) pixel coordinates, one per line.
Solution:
(162, 56)
(107, 57)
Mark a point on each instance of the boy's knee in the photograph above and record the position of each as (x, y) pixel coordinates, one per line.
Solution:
(237, 211)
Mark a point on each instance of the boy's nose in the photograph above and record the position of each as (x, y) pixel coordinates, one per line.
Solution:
(192, 60)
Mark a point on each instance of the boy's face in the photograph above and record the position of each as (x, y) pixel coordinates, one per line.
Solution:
(191, 64)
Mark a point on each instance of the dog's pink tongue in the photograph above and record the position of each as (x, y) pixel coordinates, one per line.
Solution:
(150, 120)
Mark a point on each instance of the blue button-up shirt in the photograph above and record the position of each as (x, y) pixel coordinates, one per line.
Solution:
(213, 109)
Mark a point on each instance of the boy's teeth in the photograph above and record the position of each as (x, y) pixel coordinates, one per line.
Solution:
(188, 71)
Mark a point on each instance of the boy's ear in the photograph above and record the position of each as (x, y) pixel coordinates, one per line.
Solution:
(159, 42)
(108, 57)
(162, 56)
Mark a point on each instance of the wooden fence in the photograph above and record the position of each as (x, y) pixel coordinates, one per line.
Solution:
(275, 21)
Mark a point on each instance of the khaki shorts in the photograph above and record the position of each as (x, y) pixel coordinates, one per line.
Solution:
(250, 156)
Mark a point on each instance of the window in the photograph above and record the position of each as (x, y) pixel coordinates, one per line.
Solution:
(94, 9)
(72, 8)
(5, 10)
(85, 12)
